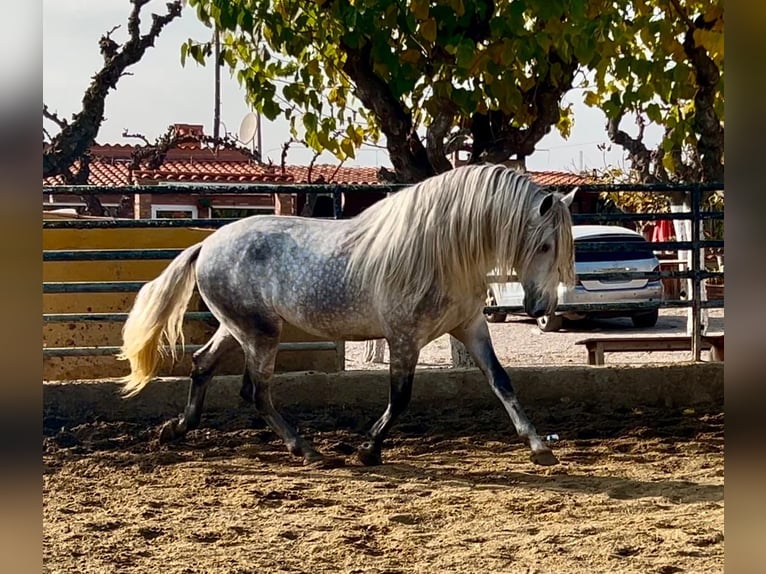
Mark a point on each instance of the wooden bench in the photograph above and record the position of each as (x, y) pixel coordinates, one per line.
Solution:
(597, 346)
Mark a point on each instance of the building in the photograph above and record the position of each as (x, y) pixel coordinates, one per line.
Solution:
(193, 163)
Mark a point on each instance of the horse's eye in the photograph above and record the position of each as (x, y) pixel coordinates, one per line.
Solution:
(545, 248)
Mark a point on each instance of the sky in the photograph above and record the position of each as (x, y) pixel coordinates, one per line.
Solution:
(161, 92)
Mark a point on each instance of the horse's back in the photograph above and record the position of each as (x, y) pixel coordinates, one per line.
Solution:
(288, 267)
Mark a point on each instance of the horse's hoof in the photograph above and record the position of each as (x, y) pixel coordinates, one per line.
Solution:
(169, 432)
(544, 458)
(325, 462)
(368, 455)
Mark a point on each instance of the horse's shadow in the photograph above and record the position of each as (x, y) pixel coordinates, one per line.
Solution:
(618, 488)
(614, 487)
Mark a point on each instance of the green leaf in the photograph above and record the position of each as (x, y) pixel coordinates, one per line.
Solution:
(654, 113)
(348, 147)
(464, 56)
(310, 122)
(428, 30)
(591, 98)
(419, 9)
(457, 6)
(271, 109)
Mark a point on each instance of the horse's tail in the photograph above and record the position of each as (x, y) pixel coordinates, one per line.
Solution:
(157, 314)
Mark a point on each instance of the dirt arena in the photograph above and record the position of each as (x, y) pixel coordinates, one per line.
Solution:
(638, 490)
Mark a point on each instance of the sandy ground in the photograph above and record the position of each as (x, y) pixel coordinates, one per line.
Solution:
(637, 491)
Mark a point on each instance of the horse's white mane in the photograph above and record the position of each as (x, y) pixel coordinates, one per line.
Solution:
(449, 231)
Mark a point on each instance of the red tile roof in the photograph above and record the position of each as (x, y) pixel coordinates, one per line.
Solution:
(191, 162)
(545, 178)
(101, 173)
(325, 173)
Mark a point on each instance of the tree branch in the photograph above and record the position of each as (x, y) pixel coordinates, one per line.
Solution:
(639, 154)
(405, 149)
(76, 137)
(436, 136)
(706, 122)
(458, 141)
(142, 137)
(53, 116)
(337, 169)
(283, 155)
(311, 165)
(494, 136)
(682, 13)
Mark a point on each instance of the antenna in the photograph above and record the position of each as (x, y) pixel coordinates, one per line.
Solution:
(248, 128)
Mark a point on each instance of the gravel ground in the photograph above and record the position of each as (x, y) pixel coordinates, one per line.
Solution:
(518, 341)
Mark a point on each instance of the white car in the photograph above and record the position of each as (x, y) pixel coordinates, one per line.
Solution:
(632, 253)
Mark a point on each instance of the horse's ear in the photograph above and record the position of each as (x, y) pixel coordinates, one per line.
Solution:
(546, 204)
(569, 197)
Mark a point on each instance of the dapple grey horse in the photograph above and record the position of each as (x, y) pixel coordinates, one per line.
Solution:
(408, 269)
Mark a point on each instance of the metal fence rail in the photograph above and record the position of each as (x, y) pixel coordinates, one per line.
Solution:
(696, 274)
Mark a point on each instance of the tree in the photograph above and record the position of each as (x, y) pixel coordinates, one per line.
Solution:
(432, 76)
(668, 70)
(75, 137)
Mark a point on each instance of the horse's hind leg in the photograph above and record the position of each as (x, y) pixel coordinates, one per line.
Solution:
(260, 355)
(476, 338)
(204, 363)
(403, 359)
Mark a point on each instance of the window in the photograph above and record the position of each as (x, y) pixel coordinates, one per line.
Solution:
(174, 212)
(239, 211)
(625, 248)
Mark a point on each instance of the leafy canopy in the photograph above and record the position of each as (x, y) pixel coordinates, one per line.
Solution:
(669, 68)
(432, 62)
(433, 74)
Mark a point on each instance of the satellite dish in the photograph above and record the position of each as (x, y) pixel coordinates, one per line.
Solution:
(248, 128)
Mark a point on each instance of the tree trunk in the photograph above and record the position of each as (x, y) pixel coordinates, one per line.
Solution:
(374, 351)
(460, 355)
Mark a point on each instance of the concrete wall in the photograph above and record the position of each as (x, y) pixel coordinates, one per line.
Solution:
(610, 387)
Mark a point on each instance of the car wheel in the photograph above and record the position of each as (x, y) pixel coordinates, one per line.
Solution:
(645, 320)
(494, 317)
(497, 317)
(550, 323)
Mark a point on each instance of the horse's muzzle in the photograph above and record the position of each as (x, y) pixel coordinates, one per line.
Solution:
(536, 306)
(536, 313)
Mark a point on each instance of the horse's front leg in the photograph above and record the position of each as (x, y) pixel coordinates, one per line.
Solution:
(475, 337)
(403, 359)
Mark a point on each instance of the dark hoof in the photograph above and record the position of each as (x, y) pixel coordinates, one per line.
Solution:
(325, 462)
(343, 448)
(544, 458)
(368, 455)
(170, 431)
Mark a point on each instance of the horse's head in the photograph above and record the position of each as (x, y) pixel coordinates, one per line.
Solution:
(547, 256)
